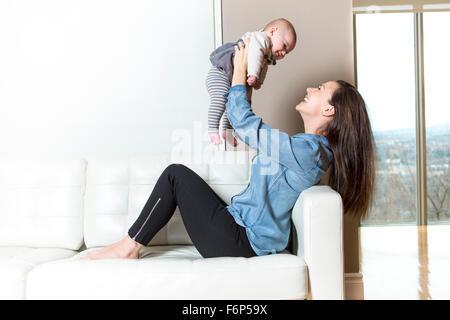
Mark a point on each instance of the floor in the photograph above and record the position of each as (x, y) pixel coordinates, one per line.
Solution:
(405, 262)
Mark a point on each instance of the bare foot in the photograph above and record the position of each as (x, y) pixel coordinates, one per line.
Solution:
(126, 248)
(228, 136)
(215, 139)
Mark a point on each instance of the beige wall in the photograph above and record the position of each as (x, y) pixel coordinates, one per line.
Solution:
(324, 52)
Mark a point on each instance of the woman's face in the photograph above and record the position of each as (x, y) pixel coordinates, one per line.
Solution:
(317, 99)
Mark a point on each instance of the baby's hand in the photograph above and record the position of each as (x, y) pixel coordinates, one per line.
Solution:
(215, 139)
(251, 80)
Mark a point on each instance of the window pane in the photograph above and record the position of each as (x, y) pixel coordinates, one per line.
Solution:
(386, 80)
(437, 113)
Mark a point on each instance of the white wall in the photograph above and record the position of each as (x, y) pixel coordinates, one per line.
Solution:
(100, 77)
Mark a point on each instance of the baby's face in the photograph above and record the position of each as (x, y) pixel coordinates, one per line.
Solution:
(282, 43)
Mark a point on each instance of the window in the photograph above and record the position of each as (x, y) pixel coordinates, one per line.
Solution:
(385, 73)
(437, 113)
(389, 51)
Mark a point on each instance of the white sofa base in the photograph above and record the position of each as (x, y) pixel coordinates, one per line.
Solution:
(171, 272)
(17, 262)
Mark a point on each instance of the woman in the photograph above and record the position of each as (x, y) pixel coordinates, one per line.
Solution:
(337, 134)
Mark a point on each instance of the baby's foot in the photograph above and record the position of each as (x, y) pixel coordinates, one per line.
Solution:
(228, 136)
(215, 139)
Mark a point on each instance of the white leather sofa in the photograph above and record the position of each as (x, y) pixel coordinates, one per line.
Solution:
(53, 211)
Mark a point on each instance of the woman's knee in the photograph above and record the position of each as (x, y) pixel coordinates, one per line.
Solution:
(175, 168)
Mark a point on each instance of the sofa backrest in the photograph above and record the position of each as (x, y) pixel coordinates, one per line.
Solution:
(117, 189)
(41, 202)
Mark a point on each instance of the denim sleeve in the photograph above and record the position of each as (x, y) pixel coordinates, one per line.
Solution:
(277, 145)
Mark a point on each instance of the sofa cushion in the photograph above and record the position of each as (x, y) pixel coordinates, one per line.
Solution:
(117, 189)
(171, 272)
(41, 202)
(16, 262)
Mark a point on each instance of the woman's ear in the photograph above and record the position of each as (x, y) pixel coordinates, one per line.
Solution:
(328, 111)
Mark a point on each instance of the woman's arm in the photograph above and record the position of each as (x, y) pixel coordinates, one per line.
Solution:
(240, 67)
(275, 144)
(240, 64)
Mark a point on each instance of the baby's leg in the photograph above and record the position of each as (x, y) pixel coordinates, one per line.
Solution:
(218, 84)
(225, 123)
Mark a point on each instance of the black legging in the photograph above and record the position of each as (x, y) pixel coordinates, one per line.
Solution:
(210, 226)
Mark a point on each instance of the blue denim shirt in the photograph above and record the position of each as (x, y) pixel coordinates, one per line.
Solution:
(284, 167)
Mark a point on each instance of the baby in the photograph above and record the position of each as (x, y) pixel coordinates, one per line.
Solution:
(277, 39)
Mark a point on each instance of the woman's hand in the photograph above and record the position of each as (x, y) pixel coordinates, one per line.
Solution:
(240, 63)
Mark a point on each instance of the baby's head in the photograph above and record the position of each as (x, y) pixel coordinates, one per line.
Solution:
(282, 35)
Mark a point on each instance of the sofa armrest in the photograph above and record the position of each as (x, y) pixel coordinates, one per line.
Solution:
(318, 237)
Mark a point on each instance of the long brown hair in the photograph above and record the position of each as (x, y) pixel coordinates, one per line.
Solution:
(352, 172)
